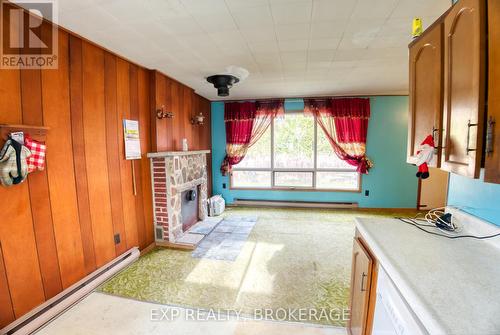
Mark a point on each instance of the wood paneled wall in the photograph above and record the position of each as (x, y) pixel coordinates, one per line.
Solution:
(59, 225)
(168, 133)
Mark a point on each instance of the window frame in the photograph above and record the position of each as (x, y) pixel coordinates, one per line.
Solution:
(312, 170)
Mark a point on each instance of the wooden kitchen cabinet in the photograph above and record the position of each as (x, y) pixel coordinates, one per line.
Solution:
(464, 87)
(492, 145)
(426, 91)
(362, 284)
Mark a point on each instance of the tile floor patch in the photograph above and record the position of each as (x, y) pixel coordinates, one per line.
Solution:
(227, 239)
(206, 226)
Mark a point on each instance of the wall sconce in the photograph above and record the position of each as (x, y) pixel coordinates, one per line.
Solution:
(198, 119)
(162, 113)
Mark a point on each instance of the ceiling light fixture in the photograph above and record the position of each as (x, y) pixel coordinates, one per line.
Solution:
(222, 82)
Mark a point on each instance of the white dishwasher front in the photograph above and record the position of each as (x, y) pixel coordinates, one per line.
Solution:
(392, 313)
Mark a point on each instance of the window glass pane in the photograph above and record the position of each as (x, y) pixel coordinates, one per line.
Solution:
(294, 141)
(337, 180)
(293, 179)
(251, 179)
(259, 155)
(327, 159)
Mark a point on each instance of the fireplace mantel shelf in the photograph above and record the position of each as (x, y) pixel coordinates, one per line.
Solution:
(176, 153)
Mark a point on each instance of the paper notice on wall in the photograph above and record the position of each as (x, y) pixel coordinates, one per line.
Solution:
(132, 139)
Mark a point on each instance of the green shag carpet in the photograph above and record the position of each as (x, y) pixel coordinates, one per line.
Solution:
(293, 259)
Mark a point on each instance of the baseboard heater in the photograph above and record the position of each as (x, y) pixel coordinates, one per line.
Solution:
(295, 204)
(53, 307)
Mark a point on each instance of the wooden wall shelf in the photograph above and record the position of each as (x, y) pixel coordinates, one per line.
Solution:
(37, 133)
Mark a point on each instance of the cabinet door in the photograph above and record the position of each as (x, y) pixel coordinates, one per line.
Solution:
(362, 265)
(426, 91)
(464, 87)
(492, 161)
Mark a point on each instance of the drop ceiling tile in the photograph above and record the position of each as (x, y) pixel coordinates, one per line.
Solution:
(264, 47)
(352, 46)
(169, 9)
(259, 34)
(356, 41)
(324, 43)
(320, 55)
(125, 10)
(373, 9)
(293, 45)
(293, 31)
(239, 4)
(253, 17)
(221, 21)
(316, 74)
(339, 71)
(269, 67)
(182, 26)
(77, 20)
(330, 29)
(68, 6)
(318, 66)
(197, 7)
(411, 8)
(365, 26)
(388, 41)
(349, 55)
(198, 41)
(231, 51)
(348, 64)
(292, 12)
(293, 56)
(328, 10)
(267, 57)
(383, 53)
(287, 2)
(229, 38)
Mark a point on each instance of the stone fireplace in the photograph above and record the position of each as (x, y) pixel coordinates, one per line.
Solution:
(173, 173)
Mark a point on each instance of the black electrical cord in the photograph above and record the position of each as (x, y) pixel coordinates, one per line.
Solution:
(411, 221)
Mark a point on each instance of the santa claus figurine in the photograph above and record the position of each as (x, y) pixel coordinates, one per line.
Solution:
(423, 157)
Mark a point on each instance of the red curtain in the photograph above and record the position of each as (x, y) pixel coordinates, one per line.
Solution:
(344, 122)
(246, 122)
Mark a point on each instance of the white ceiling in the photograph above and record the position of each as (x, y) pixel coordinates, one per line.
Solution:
(292, 48)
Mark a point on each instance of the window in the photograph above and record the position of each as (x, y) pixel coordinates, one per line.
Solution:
(294, 154)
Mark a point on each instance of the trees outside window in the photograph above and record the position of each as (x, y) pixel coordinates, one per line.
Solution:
(294, 154)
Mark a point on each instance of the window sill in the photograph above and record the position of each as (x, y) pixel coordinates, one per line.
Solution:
(293, 189)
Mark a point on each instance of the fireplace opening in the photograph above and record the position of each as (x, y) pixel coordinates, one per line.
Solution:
(189, 208)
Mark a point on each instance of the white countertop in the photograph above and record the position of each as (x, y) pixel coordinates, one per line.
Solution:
(177, 153)
(453, 286)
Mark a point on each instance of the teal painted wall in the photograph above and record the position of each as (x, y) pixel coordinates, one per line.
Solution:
(391, 182)
(475, 197)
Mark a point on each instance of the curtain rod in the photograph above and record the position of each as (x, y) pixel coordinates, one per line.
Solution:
(319, 97)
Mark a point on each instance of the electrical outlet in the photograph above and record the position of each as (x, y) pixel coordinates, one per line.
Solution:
(367, 193)
(117, 239)
(224, 185)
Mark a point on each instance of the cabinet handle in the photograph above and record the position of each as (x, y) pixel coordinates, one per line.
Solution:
(434, 131)
(469, 125)
(363, 276)
(489, 136)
